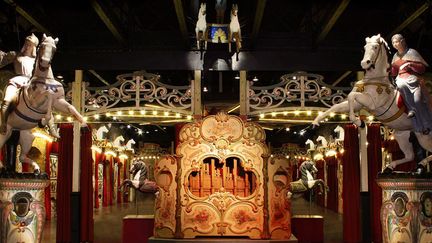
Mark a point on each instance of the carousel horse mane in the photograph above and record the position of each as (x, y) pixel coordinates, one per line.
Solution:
(100, 132)
(323, 141)
(341, 133)
(118, 141)
(307, 167)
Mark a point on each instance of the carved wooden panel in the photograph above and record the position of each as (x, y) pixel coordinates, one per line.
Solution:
(165, 172)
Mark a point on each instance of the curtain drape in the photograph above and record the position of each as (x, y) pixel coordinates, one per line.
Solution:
(332, 183)
(351, 186)
(375, 192)
(392, 147)
(47, 202)
(98, 159)
(105, 183)
(86, 187)
(64, 183)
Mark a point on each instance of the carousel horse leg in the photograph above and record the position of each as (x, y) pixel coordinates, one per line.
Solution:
(26, 141)
(3, 115)
(363, 100)
(63, 106)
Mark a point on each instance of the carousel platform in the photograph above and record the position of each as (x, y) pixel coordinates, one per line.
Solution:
(220, 240)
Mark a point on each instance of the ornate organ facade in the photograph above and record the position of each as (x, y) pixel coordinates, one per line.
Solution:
(222, 182)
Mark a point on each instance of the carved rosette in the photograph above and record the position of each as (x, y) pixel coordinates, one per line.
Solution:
(406, 212)
(21, 209)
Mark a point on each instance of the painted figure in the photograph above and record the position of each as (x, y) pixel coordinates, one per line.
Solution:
(407, 65)
(23, 65)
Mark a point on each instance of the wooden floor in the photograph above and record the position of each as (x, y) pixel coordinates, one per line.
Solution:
(108, 220)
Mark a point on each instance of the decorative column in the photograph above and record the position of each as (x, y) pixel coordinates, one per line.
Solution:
(22, 209)
(406, 212)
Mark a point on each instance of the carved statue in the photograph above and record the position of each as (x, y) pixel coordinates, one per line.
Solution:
(341, 134)
(234, 34)
(36, 101)
(129, 145)
(100, 133)
(307, 181)
(311, 145)
(118, 141)
(140, 179)
(323, 142)
(201, 26)
(376, 94)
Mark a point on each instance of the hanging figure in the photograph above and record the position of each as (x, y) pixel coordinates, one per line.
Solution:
(23, 65)
(407, 66)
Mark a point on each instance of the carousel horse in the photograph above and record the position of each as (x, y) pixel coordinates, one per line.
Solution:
(140, 179)
(201, 26)
(234, 34)
(340, 134)
(100, 133)
(220, 8)
(129, 145)
(307, 181)
(322, 141)
(36, 101)
(311, 145)
(376, 94)
(118, 141)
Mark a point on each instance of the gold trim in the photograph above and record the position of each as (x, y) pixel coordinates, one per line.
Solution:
(361, 85)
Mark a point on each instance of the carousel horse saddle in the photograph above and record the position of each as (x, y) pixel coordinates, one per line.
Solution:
(298, 186)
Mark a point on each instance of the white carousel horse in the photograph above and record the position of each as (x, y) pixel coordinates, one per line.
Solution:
(340, 134)
(140, 179)
(100, 132)
(323, 142)
(234, 34)
(311, 145)
(220, 7)
(376, 94)
(36, 101)
(307, 181)
(129, 145)
(201, 26)
(118, 141)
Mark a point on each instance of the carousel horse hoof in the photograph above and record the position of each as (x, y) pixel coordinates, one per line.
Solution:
(411, 114)
(420, 170)
(387, 171)
(37, 172)
(426, 131)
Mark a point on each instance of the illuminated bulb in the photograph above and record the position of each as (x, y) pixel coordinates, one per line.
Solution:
(367, 143)
(370, 118)
(392, 137)
(287, 156)
(154, 113)
(320, 113)
(287, 129)
(140, 131)
(326, 119)
(131, 112)
(309, 113)
(273, 114)
(119, 113)
(332, 114)
(342, 151)
(166, 113)
(58, 116)
(114, 118)
(85, 118)
(262, 115)
(69, 119)
(189, 117)
(344, 116)
(108, 114)
(142, 112)
(97, 116)
(296, 113)
(285, 113)
(128, 126)
(177, 115)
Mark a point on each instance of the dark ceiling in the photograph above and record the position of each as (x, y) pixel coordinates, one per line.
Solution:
(108, 38)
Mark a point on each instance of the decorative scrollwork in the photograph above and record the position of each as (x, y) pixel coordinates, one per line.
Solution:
(134, 89)
(300, 88)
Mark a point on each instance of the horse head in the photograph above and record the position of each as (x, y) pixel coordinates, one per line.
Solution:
(375, 51)
(129, 143)
(45, 52)
(322, 140)
(307, 166)
(137, 166)
(234, 11)
(202, 10)
(99, 133)
(117, 142)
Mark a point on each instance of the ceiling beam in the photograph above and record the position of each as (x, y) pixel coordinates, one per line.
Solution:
(410, 19)
(107, 21)
(259, 13)
(342, 77)
(181, 19)
(28, 17)
(332, 21)
(98, 77)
